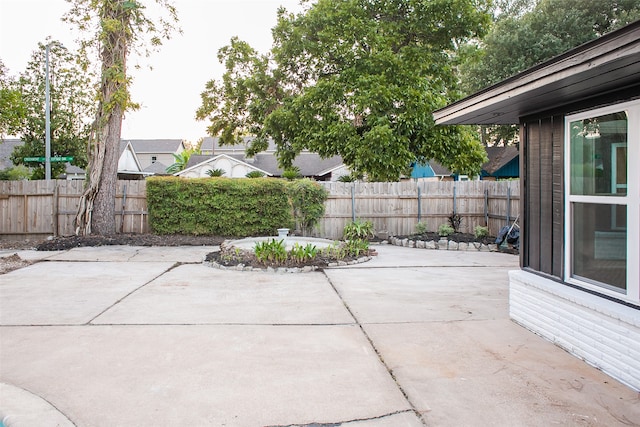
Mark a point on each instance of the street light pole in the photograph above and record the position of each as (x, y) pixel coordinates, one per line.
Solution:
(47, 115)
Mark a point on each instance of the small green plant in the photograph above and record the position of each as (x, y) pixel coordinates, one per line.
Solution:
(303, 253)
(445, 230)
(358, 229)
(454, 221)
(346, 178)
(215, 172)
(356, 247)
(421, 227)
(479, 231)
(271, 251)
(254, 174)
(292, 173)
(336, 250)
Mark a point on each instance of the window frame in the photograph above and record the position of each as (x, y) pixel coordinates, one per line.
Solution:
(631, 201)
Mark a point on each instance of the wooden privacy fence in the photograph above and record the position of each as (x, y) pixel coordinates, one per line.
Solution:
(396, 207)
(29, 208)
(49, 207)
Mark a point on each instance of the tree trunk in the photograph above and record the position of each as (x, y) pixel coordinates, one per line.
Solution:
(103, 220)
(96, 210)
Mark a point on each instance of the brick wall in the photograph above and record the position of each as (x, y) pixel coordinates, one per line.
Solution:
(604, 333)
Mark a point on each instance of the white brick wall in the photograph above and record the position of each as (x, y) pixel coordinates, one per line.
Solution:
(604, 333)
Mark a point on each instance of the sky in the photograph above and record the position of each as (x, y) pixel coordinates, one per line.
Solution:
(169, 94)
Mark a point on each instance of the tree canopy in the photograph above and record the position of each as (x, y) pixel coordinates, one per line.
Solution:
(528, 32)
(355, 78)
(12, 108)
(519, 40)
(72, 99)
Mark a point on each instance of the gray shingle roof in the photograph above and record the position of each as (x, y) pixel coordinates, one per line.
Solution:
(156, 168)
(210, 144)
(499, 157)
(6, 148)
(155, 145)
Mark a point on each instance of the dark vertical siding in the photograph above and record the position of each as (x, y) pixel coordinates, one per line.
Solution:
(558, 197)
(543, 194)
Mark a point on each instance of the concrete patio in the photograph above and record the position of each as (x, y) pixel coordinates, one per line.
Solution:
(132, 336)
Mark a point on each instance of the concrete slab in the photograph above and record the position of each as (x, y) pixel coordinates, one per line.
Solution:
(19, 407)
(378, 295)
(49, 293)
(391, 256)
(31, 255)
(196, 294)
(174, 253)
(204, 375)
(496, 373)
(99, 253)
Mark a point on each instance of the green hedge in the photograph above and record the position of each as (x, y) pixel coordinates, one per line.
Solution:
(218, 206)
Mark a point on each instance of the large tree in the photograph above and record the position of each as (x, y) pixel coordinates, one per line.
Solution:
(355, 78)
(71, 106)
(116, 28)
(12, 107)
(528, 32)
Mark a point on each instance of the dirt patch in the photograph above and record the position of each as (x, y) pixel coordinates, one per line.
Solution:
(12, 262)
(69, 242)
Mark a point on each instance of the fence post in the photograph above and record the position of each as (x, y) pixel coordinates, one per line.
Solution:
(419, 204)
(454, 199)
(508, 205)
(124, 203)
(353, 203)
(55, 207)
(486, 208)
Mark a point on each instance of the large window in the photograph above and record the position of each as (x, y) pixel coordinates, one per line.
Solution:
(603, 200)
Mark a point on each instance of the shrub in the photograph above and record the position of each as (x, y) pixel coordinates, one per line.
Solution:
(307, 202)
(292, 173)
(479, 231)
(445, 230)
(346, 178)
(454, 221)
(421, 227)
(223, 206)
(216, 172)
(254, 174)
(358, 229)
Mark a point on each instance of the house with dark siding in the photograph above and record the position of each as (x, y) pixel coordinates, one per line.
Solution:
(579, 119)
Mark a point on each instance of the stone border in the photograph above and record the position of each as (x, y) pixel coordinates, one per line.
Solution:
(279, 270)
(444, 244)
(285, 270)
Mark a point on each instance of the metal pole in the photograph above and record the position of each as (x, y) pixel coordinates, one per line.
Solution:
(47, 115)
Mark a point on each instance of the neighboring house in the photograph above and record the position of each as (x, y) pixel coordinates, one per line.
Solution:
(199, 166)
(311, 165)
(211, 146)
(579, 116)
(504, 163)
(6, 148)
(150, 151)
(431, 171)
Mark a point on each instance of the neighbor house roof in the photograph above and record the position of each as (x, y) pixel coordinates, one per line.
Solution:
(156, 145)
(609, 63)
(212, 145)
(310, 164)
(499, 157)
(198, 160)
(156, 168)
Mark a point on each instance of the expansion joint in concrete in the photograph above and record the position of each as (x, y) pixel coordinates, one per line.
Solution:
(375, 349)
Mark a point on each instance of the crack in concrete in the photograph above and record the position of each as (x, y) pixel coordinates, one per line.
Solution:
(340, 423)
(118, 301)
(377, 352)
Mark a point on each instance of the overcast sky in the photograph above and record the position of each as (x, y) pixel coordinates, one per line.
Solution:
(170, 93)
